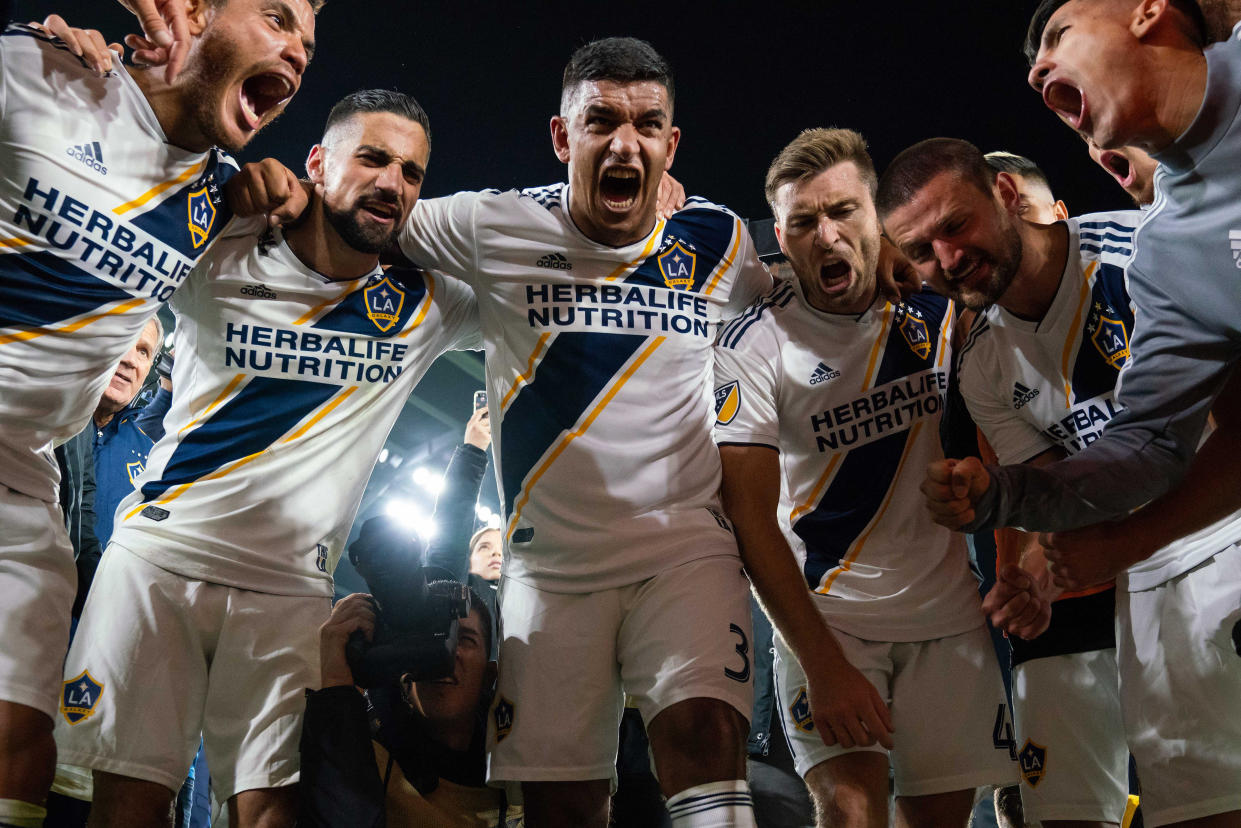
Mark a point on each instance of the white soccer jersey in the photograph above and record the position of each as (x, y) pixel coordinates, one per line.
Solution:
(853, 404)
(288, 388)
(1031, 386)
(599, 376)
(100, 220)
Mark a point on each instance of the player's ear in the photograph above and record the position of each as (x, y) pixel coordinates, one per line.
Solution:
(1006, 192)
(314, 164)
(674, 140)
(1146, 16)
(560, 138)
(196, 13)
(1060, 210)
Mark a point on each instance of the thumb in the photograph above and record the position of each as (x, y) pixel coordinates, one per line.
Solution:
(962, 476)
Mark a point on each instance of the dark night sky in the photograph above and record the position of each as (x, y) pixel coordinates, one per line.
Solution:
(749, 77)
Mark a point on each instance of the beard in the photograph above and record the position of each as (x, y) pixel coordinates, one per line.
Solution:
(1004, 266)
(208, 71)
(365, 238)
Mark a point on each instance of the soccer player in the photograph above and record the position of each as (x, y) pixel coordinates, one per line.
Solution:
(205, 607)
(110, 194)
(829, 401)
(1037, 372)
(1034, 199)
(621, 570)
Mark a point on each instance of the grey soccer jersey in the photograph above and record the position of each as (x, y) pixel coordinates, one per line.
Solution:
(1185, 282)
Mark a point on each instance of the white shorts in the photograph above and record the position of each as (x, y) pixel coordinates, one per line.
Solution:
(947, 701)
(1070, 738)
(1180, 689)
(37, 583)
(567, 659)
(160, 658)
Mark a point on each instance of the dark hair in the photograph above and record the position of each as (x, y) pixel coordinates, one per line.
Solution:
(814, 151)
(1196, 31)
(379, 100)
(619, 59)
(1013, 164)
(910, 171)
(444, 587)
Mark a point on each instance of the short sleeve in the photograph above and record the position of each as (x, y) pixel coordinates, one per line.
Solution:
(745, 397)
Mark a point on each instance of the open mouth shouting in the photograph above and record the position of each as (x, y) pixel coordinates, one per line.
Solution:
(263, 93)
(381, 212)
(835, 276)
(619, 187)
(1067, 101)
(1118, 166)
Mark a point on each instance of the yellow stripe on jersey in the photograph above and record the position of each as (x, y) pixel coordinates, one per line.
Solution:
(326, 304)
(579, 431)
(539, 348)
(16, 241)
(847, 564)
(879, 340)
(77, 325)
(159, 188)
(429, 280)
(174, 493)
(656, 234)
(228, 389)
(1074, 330)
(818, 488)
(723, 266)
(945, 334)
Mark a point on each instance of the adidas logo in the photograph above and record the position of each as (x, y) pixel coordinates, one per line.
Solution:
(89, 154)
(258, 292)
(1022, 395)
(555, 261)
(823, 373)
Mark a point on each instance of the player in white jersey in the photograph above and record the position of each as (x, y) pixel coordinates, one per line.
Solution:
(1039, 373)
(828, 403)
(109, 192)
(304, 354)
(598, 320)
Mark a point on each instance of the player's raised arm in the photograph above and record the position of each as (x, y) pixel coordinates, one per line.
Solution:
(1211, 491)
(167, 30)
(845, 706)
(268, 188)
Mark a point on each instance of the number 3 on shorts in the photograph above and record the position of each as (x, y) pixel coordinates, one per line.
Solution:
(743, 650)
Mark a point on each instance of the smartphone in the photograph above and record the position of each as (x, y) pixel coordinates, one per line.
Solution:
(480, 400)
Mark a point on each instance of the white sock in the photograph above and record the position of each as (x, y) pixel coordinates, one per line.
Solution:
(18, 814)
(714, 805)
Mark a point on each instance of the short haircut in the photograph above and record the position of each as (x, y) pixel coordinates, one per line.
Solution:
(159, 332)
(378, 100)
(1013, 164)
(814, 151)
(915, 166)
(446, 587)
(617, 59)
(1197, 30)
(477, 536)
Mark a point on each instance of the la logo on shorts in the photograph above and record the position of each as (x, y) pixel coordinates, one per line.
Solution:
(79, 697)
(504, 718)
(800, 709)
(1033, 760)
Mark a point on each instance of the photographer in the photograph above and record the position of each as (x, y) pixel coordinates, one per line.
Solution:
(415, 755)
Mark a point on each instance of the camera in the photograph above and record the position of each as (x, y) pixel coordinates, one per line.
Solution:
(415, 631)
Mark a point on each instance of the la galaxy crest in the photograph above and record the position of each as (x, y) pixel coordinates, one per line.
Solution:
(800, 710)
(79, 696)
(727, 402)
(1033, 761)
(133, 469)
(1108, 334)
(676, 265)
(202, 216)
(384, 301)
(913, 328)
(504, 718)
